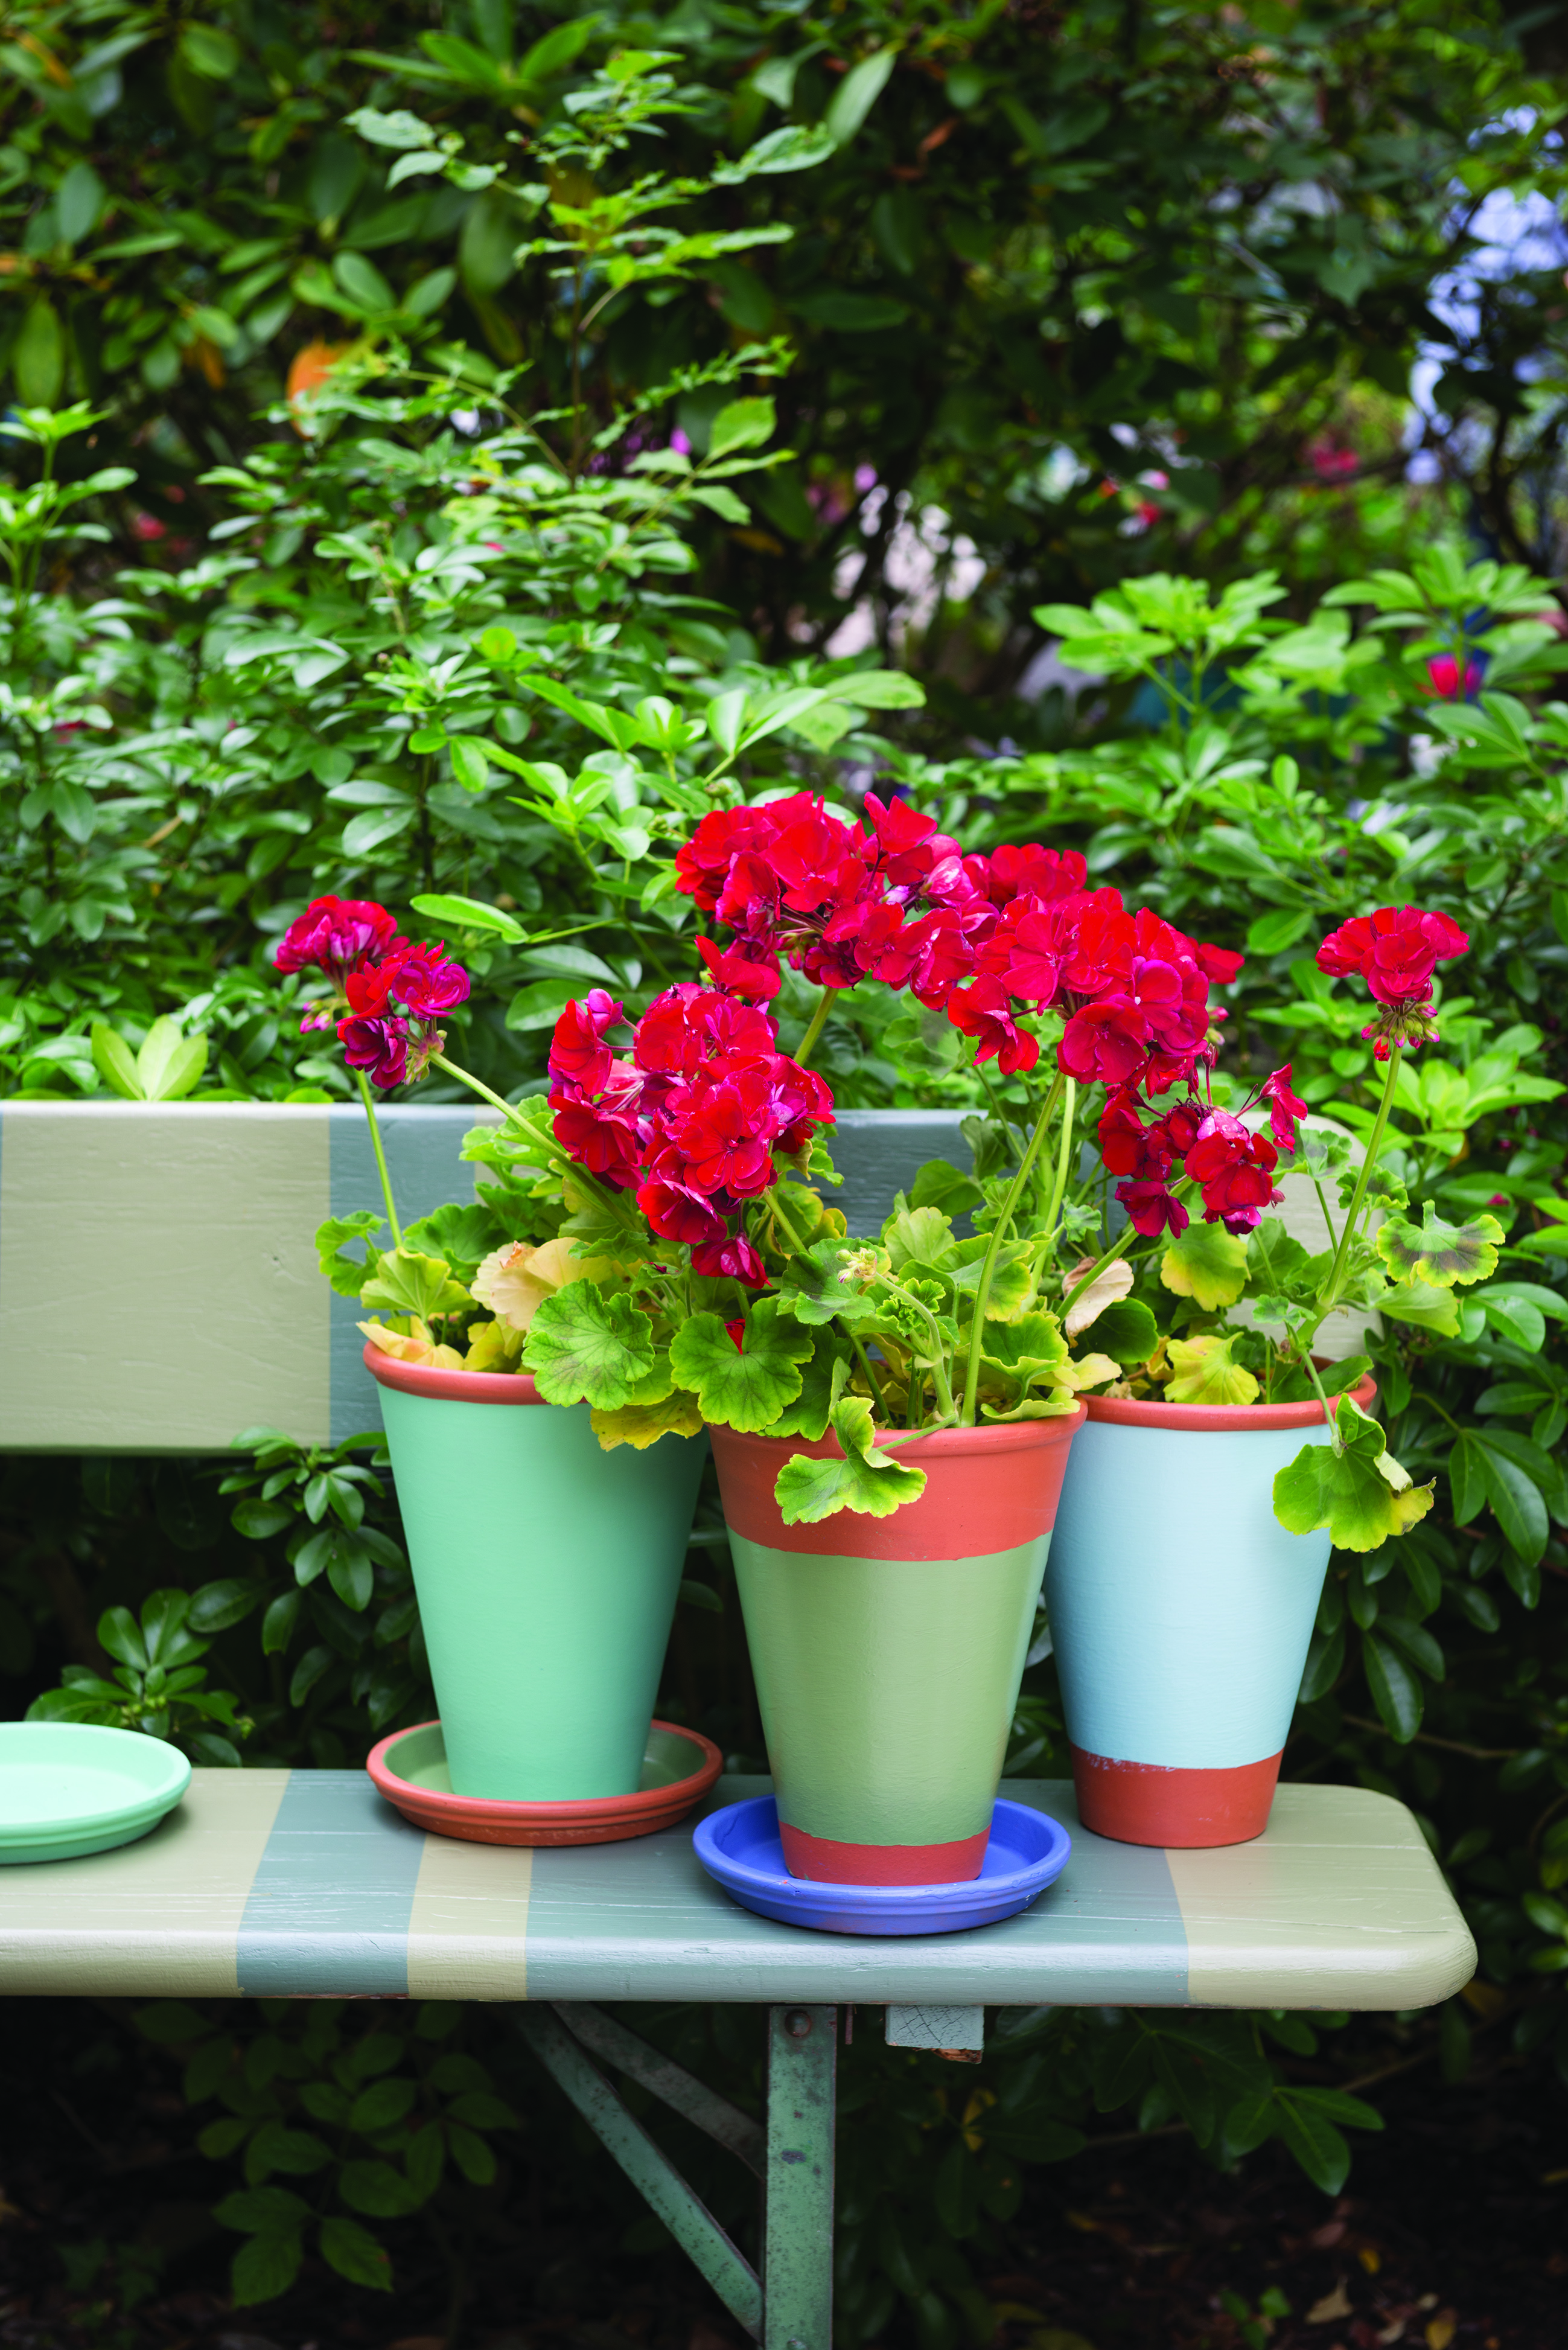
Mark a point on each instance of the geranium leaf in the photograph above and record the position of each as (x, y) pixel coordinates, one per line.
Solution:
(1438, 1252)
(1360, 1493)
(1418, 1302)
(1206, 1264)
(926, 1233)
(585, 1348)
(1276, 1260)
(347, 1273)
(406, 1283)
(808, 1415)
(642, 1424)
(748, 1386)
(1205, 1372)
(816, 1287)
(865, 1480)
(1108, 1286)
(1127, 1330)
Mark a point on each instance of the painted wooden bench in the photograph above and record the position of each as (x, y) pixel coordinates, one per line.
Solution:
(304, 1884)
(159, 1292)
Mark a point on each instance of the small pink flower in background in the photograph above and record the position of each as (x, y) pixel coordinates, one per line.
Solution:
(1330, 463)
(147, 527)
(1444, 671)
(679, 444)
(865, 478)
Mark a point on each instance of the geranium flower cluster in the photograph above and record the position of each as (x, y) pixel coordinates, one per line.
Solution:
(1233, 1165)
(692, 1120)
(1396, 950)
(989, 939)
(388, 993)
(967, 935)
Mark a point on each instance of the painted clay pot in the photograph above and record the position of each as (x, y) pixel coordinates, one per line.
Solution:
(1180, 1613)
(546, 1571)
(887, 1652)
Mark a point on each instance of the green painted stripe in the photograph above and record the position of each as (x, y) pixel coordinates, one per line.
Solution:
(888, 1685)
(642, 1921)
(328, 1912)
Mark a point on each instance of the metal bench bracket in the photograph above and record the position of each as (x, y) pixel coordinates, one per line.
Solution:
(790, 2306)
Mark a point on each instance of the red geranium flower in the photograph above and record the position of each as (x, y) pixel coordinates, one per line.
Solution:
(380, 1047)
(1396, 950)
(338, 935)
(981, 1010)
(1151, 1210)
(427, 982)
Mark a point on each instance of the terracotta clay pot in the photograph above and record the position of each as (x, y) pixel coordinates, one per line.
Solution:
(887, 1652)
(1180, 1613)
(546, 1571)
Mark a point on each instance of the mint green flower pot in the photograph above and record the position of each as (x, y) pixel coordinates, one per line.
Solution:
(546, 1571)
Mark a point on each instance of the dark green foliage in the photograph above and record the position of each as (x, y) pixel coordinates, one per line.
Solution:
(480, 643)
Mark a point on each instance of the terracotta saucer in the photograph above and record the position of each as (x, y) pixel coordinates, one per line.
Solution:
(409, 1768)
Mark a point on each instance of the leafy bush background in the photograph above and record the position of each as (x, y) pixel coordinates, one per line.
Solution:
(485, 628)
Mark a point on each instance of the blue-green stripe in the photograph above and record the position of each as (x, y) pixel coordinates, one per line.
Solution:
(329, 1909)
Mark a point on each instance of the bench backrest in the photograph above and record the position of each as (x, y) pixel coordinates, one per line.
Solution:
(159, 1286)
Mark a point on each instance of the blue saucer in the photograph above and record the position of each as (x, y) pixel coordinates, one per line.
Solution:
(739, 1848)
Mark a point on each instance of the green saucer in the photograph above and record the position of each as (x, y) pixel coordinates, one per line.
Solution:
(67, 1788)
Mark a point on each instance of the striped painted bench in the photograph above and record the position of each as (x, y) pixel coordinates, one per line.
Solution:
(303, 1884)
(159, 1292)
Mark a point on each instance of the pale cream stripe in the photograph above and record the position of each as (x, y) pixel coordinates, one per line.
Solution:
(1338, 1904)
(159, 1285)
(157, 1919)
(468, 1929)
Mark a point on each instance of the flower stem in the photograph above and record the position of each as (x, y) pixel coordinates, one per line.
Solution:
(613, 1201)
(865, 1360)
(988, 1268)
(1062, 1156)
(1329, 1293)
(817, 1023)
(1328, 1409)
(368, 1098)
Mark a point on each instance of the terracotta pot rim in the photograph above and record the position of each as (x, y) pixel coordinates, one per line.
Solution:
(941, 1444)
(449, 1387)
(1217, 1419)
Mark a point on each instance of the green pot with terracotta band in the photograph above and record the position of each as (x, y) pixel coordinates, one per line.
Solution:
(547, 1573)
(887, 1652)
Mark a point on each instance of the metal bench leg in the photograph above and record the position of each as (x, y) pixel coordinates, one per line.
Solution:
(797, 2264)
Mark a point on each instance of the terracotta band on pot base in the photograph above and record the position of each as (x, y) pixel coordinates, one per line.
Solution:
(823, 1860)
(1144, 1802)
